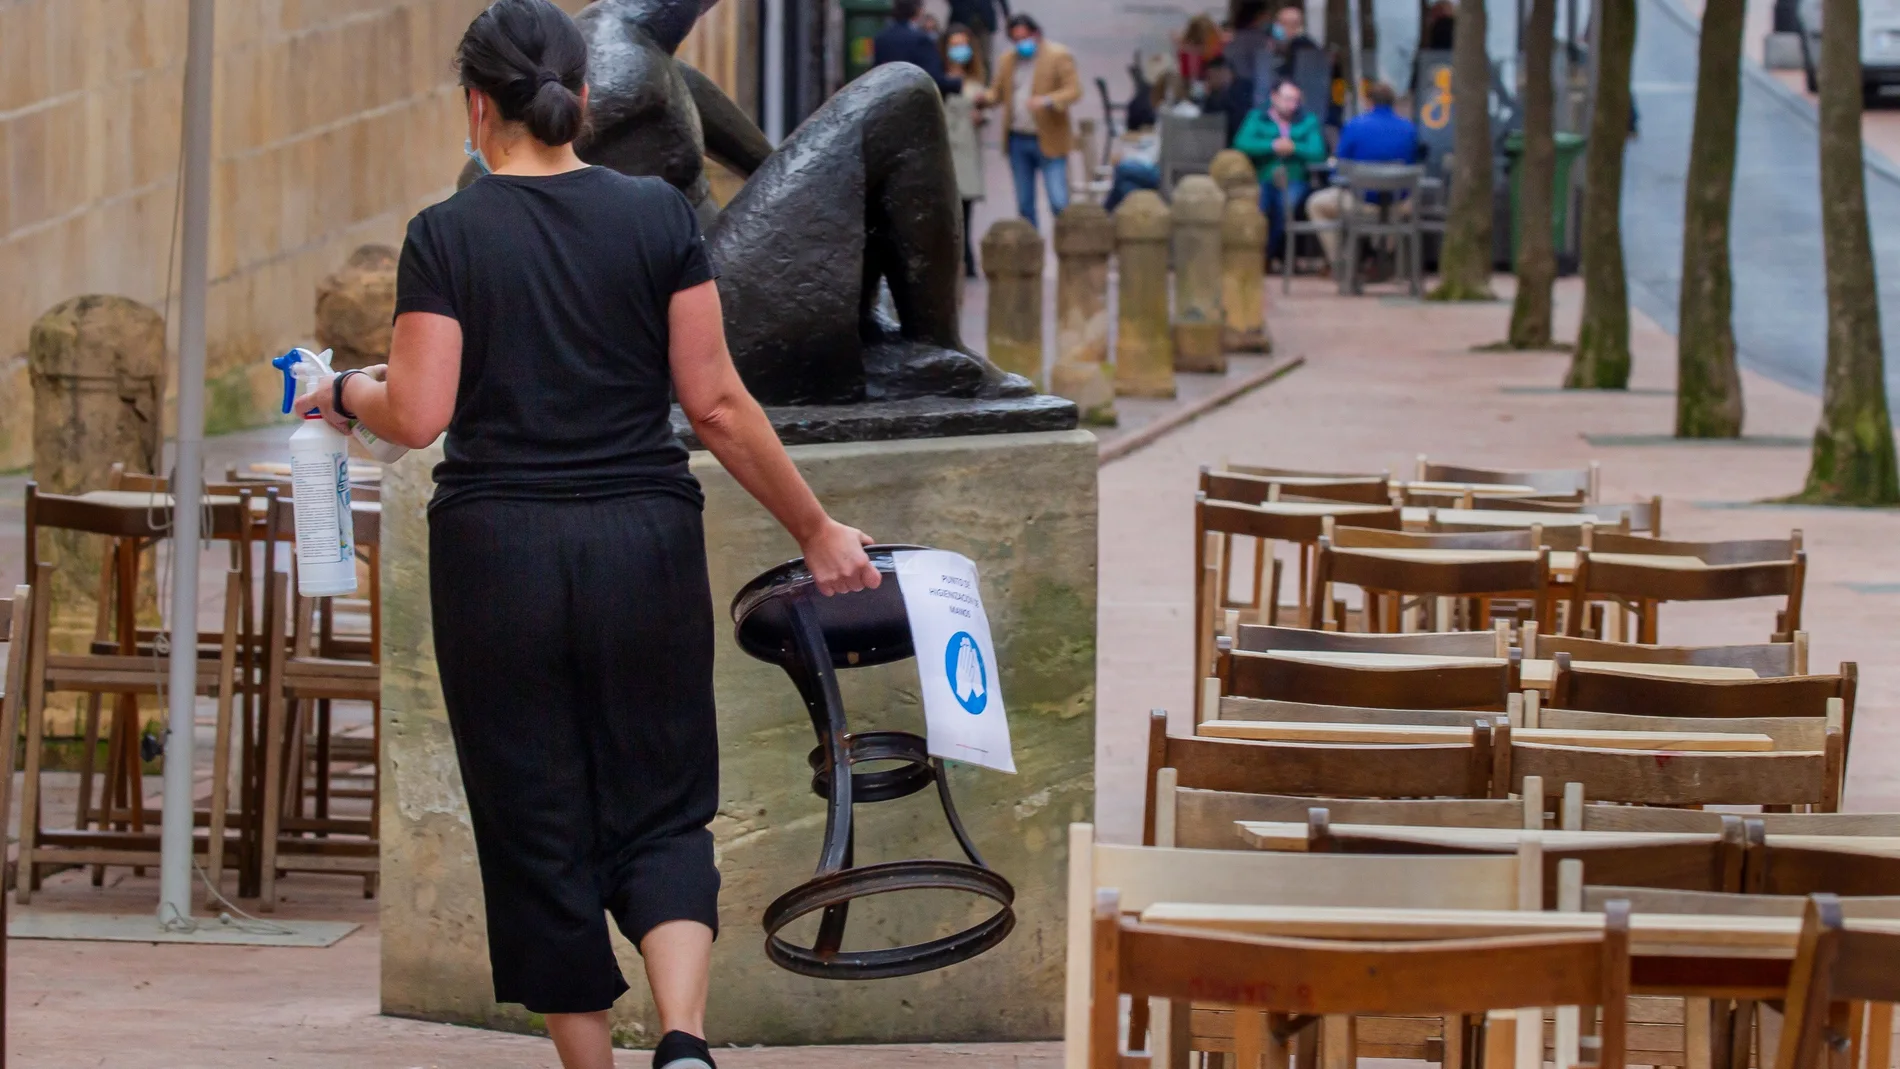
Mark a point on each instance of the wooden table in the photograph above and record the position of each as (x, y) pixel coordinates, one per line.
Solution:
(1671, 954)
(1425, 734)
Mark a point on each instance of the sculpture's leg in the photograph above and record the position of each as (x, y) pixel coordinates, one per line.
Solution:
(855, 196)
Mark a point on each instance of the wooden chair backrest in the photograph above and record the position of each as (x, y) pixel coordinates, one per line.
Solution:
(1254, 489)
(1468, 578)
(1659, 818)
(1730, 904)
(1358, 536)
(1764, 659)
(1545, 480)
(1610, 691)
(1233, 708)
(1258, 638)
(1348, 977)
(1717, 582)
(16, 626)
(1253, 521)
(1460, 770)
(1734, 551)
(1302, 473)
(1677, 777)
(1205, 819)
(1486, 685)
(1781, 869)
(1561, 538)
(1835, 961)
(1789, 732)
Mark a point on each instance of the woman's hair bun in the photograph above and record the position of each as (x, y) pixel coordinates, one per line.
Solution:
(531, 58)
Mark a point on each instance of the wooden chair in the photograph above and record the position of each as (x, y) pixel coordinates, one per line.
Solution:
(294, 678)
(1445, 770)
(1476, 567)
(1146, 875)
(1629, 517)
(1475, 685)
(16, 619)
(1605, 690)
(1676, 777)
(1228, 707)
(1266, 639)
(1257, 489)
(1840, 967)
(1768, 659)
(1451, 977)
(1559, 537)
(1626, 570)
(1545, 480)
(1219, 523)
(1204, 819)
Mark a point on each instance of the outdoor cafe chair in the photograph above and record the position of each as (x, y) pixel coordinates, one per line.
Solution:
(1218, 523)
(1841, 969)
(16, 616)
(1676, 778)
(1639, 574)
(1547, 481)
(1393, 218)
(1391, 567)
(1468, 685)
(1765, 659)
(1294, 228)
(1610, 691)
(1249, 489)
(1254, 638)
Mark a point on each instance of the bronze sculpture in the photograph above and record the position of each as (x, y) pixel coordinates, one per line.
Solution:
(861, 196)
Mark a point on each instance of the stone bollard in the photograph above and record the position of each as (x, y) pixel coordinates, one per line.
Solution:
(1243, 239)
(356, 308)
(1234, 173)
(1144, 343)
(1012, 259)
(1085, 236)
(1197, 275)
(97, 365)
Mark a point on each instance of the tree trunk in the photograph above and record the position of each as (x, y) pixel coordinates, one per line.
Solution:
(1853, 447)
(1708, 386)
(1602, 359)
(1464, 265)
(1536, 247)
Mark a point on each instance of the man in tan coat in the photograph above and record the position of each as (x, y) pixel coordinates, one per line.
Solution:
(1036, 84)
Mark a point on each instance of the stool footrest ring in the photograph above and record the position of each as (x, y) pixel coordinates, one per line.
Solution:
(837, 890)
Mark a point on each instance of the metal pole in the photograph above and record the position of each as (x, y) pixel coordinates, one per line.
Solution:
(175, 836)
(1354, 37)
(773, 103)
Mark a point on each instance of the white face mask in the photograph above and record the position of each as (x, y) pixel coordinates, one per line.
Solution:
(468, 145)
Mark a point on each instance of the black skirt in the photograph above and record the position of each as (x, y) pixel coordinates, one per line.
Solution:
(574, 639)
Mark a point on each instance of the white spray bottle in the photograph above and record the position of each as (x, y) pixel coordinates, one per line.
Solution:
(320, 485)
(385, 451)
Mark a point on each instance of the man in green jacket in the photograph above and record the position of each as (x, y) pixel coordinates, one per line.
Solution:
(1285, 139)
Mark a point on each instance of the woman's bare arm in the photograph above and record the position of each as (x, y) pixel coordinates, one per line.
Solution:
(732, 425)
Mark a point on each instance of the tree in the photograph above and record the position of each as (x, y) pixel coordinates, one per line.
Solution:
(1537, 174)
(1464, 265)
(1602, 358)
(1853, 461)
(1708, 386)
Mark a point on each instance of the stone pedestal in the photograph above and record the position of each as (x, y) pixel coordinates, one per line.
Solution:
(1023, 506)
(1235, 174)
(356, 308)
(1144, 339)
(1012, 260)
(1197, 268)
(1243, 239)
(1085, 237)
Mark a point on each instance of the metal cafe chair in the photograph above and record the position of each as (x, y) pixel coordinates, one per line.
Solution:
(780, 618)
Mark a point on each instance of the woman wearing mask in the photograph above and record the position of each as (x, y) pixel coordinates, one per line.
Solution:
(962, 114)
(543, 316)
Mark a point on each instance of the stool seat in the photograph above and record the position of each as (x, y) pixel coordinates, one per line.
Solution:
(781, 618)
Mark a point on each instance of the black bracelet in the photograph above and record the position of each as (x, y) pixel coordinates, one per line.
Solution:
(336, 393)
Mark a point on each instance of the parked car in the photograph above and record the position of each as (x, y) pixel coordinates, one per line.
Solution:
(1879, 45)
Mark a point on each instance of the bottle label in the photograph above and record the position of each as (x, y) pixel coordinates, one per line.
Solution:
(325, 533)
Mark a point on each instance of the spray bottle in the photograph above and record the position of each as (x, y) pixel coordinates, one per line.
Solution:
(320, 485)
(385, 451)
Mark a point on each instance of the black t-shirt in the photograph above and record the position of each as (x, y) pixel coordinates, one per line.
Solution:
(561, 285)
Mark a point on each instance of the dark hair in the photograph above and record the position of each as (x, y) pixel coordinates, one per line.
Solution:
(906, 10)
(1381, 95)
(1248, 12)
(530, 57)
(1025, 22)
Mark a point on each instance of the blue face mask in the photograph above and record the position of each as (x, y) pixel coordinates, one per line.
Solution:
(1279, 32)
(960, 53)
(469, 150)
(1026, 48)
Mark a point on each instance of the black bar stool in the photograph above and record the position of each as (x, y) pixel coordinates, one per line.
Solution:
(780, 617)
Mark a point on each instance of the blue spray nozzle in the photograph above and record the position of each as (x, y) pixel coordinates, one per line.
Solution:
(297, 365)
(287, 364)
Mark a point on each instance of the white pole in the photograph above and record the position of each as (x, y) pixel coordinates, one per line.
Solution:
(772, 101)
(175, 837)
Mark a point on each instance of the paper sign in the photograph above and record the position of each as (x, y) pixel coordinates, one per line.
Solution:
(956, 661)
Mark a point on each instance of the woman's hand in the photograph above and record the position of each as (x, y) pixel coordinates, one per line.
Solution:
(323, 397)
(835, 556)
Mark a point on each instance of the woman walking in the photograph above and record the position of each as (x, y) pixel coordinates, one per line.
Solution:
(962, 114)
(543, 314)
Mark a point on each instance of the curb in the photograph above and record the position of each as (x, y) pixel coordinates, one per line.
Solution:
(1121, 447)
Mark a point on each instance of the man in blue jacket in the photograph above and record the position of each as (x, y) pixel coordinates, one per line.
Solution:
(903, 41)
(1378, 136)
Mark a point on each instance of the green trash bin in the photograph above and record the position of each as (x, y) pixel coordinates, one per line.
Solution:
(1569, 148)
(863, 21)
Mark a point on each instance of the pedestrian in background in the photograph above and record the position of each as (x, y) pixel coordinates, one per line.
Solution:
(963, 114)
(982, 19)
(906, 41)
(1288, 39)
(1036, 82)
(1252, 40)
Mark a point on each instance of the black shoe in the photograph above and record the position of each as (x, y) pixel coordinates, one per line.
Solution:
(678, 1050)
